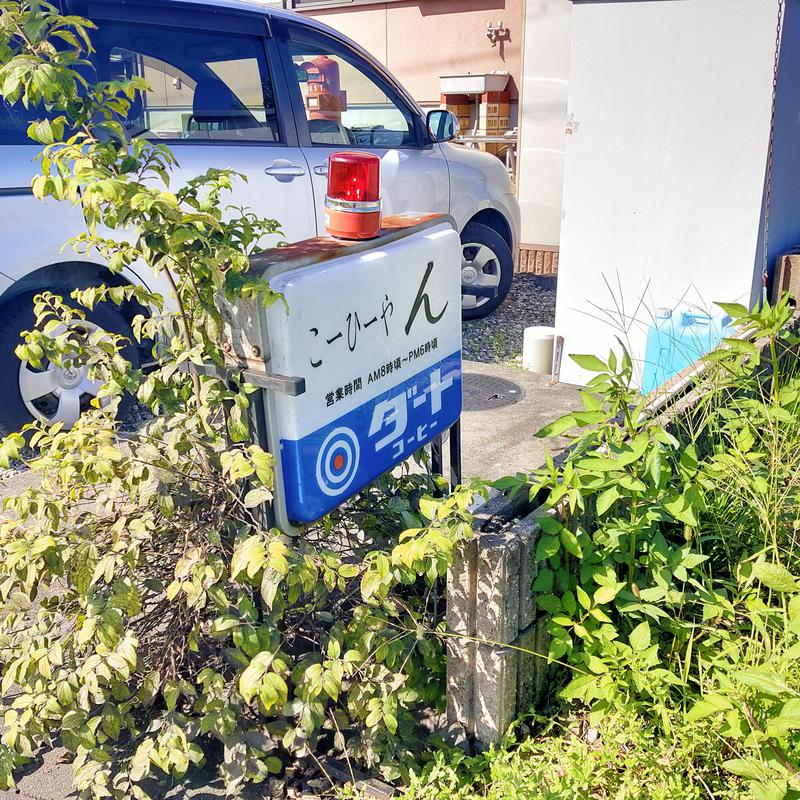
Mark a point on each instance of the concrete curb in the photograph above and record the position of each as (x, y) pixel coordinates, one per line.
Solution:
(493, 670)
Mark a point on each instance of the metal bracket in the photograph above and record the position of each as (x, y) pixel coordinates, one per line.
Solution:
(437, 452)
(283, 384)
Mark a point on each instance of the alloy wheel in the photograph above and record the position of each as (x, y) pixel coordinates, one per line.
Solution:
(480, 266)
(58, 394)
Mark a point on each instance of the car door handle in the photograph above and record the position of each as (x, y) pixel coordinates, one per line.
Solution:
(285, 169)
(321, 169)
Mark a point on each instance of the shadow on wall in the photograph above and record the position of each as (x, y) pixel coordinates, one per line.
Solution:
(784, 214)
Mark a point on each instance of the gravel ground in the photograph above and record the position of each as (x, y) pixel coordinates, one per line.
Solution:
(135, 418)
(497, 339)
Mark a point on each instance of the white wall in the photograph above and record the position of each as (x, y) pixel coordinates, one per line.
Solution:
(543, 115)
(669, 104)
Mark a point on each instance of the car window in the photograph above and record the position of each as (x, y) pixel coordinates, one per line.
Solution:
(203, 85)
(345, 102)
(15, 118)
(14, 122)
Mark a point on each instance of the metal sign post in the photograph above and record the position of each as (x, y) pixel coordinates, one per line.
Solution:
(372, 329)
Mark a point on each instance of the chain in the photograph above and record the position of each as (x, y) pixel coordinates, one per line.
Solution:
(768, 183)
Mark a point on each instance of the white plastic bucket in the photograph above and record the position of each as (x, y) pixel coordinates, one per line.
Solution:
(537, 349)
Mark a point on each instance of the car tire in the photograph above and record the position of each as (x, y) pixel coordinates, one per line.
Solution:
(486, 260)
(54, 397)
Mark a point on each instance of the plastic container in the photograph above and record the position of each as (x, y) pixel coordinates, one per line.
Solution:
(677, 339)
(538, 342)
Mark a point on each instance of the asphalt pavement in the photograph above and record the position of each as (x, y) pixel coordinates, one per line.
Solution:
(499, 440)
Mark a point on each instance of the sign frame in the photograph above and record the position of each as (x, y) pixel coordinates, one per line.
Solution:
(241, 341)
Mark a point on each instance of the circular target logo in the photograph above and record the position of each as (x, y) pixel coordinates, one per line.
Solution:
(337, 461)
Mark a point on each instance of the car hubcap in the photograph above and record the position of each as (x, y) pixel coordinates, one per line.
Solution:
(57, 394)
(479, 267)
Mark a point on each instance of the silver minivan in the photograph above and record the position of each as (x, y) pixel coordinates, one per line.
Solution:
(270, 94)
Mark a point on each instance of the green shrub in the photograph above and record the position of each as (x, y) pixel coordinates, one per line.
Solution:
(624, 759)
(670, 574)
(148, 621)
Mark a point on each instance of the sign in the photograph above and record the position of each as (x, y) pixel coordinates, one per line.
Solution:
(376, 333)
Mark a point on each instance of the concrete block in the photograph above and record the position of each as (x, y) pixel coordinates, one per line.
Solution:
(461, 601)
(495, 692)
(532, 667)
(462, 587)
(461, 683)
(545, 668)
(501, 508)
(497, 596)
(528, 532)
(544, 511)
(479, 501)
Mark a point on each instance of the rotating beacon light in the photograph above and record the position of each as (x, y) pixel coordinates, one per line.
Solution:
(353, 202)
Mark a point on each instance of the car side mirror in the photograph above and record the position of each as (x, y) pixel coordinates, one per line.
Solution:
(442, 125)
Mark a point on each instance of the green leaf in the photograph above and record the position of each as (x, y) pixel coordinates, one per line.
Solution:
(544, 581)
(331, 686)
(428, 507)
(744, 768)
(273, 691)
(546, 547)
(249, 557)
(734, 310)
(583, 597)
(549, 603)
(775, 576)
(712, 704)
(391, 723)
(771, 789)
(787, 720)
(679, 507)
(607, 499)
(570, 542)
(605, 594)
(640, 637)
(595, 464)
(256, 497)
(589, 417)
(579, 688)
(349, 570)
(556, 428)
(590, 363)
(764, 680)
(251, 678)
(569, 603)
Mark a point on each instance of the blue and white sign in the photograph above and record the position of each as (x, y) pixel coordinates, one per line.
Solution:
(376, 333)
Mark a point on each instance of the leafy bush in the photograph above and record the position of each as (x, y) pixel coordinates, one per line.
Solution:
(625, 759)
(670, 572)
(149, 621)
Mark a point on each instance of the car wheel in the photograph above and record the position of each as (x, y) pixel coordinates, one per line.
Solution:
(486, 262)
(50, 393)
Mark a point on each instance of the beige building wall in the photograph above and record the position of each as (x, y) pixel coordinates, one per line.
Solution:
(420, 40)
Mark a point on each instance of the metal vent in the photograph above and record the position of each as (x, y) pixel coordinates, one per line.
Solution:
(486, 392)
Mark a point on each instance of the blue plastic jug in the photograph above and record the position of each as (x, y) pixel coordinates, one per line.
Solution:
(677, 339)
